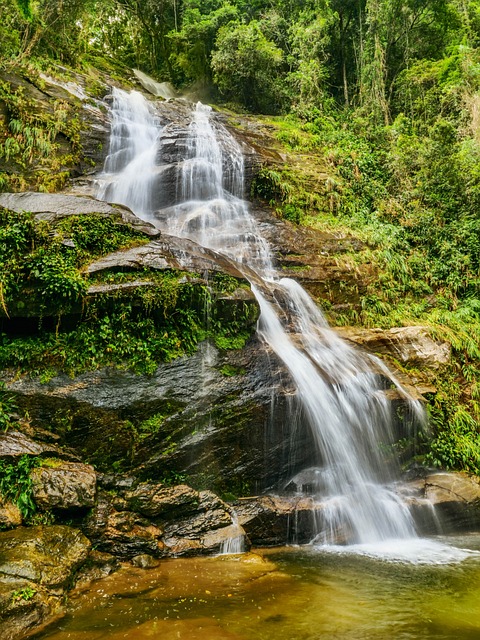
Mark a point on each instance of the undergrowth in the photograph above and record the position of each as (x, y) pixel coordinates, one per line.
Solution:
(411, 197)
(163, 316)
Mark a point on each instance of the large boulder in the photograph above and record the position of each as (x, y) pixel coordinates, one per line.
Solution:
(412, 346)
(444, 502)
(25, 607)
(167, 521)
(38, 566)
(64, 485)
(44, 555)
(277, 520)
(153, 500)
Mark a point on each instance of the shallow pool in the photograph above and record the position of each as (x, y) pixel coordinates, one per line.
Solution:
(282, 594)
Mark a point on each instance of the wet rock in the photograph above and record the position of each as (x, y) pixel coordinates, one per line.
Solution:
(128, 535)
(210, 528)
(53, 207)
(45, 555)
(195, 526)
(211, 513)
(220, 540)
(207, 419)
(153, 500)
(25, 607)
(410, 345)
(116, 482)
(273, 520)
(124, 534)
(66, 485)
(444, 502)
(10, 515)
(168, 253)
(14, 444)
(97, 566)
(145, 561)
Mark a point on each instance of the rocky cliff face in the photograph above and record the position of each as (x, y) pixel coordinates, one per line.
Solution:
(132, 459)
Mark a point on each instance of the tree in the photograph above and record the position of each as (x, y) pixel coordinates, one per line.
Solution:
(245, 67)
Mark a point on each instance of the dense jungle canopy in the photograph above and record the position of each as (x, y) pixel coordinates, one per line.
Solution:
(384, 93)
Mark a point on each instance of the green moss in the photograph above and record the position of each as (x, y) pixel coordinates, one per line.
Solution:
(43, 275)
(230, 370)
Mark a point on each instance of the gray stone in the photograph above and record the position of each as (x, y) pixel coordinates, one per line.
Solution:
(14, 444)
(145, 561)
(52, 207)
(443, 502)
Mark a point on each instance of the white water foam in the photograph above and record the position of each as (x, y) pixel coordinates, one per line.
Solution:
(421, 551)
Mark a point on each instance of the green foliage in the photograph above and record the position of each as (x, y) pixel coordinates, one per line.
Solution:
(244, 67)
(43, 266)
(16, 483)
(27, 593)
(231, 370)
(37, 265)
(33, 139)
(8, 408)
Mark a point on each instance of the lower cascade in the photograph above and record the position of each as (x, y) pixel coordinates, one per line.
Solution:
(339, 389)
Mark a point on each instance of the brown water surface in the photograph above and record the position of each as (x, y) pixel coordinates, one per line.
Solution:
(282, 594)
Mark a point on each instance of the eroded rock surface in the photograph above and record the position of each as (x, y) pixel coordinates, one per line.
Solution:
(38, 566)
(167, 521)
(444, 502)
(66, 485)
(45, 555)
(410, 345)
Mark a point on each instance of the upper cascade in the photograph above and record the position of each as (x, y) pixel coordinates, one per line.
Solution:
(339, 389)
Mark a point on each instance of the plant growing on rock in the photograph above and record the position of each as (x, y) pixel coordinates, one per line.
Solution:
(7, 408)
(16, 483)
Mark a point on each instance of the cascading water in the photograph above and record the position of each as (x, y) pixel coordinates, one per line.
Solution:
(129, 167)
(341, 391)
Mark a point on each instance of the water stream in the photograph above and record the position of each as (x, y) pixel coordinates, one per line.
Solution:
(340, 389)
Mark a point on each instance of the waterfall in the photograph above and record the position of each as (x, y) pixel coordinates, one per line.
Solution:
(129, 171)
(341, 390)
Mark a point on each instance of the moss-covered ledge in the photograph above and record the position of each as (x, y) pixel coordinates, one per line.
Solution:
(83, 286)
